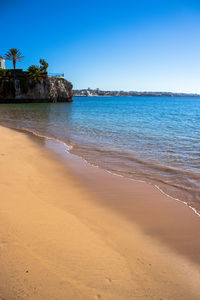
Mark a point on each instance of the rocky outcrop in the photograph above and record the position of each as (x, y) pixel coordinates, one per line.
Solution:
(21, 89)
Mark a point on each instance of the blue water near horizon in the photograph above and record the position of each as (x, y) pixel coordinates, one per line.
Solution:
(156, 139)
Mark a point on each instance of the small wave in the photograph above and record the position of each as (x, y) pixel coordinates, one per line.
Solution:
(177, 199)
(128, 156)
(69, 148)
(155, 185)
(30, 131)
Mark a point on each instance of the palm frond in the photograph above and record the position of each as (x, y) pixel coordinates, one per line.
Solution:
(15, 55)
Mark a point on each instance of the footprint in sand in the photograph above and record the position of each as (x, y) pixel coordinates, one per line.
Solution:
(98, 296)
(108, 280)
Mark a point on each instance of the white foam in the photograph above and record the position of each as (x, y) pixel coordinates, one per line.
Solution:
(70, 147)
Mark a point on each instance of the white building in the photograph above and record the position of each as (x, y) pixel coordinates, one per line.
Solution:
(2, 63)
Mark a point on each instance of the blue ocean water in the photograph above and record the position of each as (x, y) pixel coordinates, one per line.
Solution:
(156, 139)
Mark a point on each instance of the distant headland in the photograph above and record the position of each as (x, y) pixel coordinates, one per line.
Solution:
(33, 85)
(97, 92)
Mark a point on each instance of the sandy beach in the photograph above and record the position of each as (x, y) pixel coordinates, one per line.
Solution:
(72, 232)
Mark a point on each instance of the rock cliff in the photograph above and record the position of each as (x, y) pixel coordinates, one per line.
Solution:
(18, 88)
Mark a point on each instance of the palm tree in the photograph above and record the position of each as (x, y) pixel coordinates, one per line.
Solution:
(14, 55)
(44, 65)
(35, 73)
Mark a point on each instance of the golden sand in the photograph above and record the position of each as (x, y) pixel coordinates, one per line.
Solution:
(58, 242)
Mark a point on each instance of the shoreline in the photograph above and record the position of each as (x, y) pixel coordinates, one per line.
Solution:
(73, 231)
(88, 172)
(69, 148)
(80, 167)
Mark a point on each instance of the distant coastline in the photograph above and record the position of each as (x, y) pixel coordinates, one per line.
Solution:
(97, 92)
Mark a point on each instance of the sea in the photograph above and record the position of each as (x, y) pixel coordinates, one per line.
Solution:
(151, 139)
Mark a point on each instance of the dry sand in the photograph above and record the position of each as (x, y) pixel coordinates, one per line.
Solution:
(58, 242)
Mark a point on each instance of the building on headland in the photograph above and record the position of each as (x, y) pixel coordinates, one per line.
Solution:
(2, 63)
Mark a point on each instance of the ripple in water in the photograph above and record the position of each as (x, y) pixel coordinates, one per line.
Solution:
(152, 139)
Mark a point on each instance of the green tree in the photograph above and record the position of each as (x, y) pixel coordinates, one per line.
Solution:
(44, 65)
(35, 73)
(5, 75)
(6, 82)
(14, 55)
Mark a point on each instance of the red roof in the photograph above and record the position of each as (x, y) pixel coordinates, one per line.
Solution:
(1, 57)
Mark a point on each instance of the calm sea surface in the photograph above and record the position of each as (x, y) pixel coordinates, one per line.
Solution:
(145, 138)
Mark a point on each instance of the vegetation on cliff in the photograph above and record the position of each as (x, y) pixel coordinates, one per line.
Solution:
(6, 83)
(17, 86)
(33, 85)
(37, 73)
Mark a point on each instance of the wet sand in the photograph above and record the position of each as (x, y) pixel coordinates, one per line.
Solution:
(69, 231)
(157, 214)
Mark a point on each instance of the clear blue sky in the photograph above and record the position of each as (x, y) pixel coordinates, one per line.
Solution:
(117, 45)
